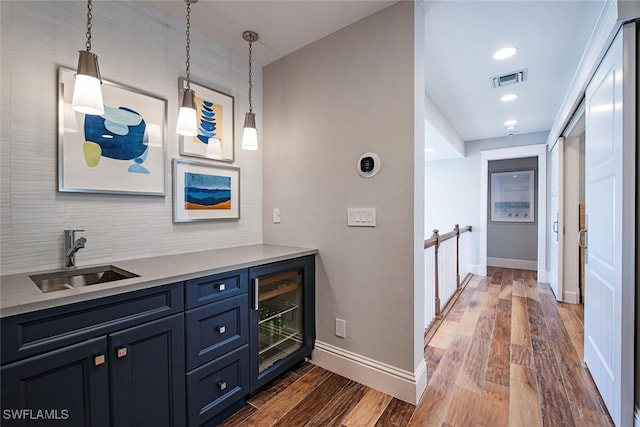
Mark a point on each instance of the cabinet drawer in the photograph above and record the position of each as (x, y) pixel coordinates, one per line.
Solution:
(33, 333)
(217, 385)
(205, 290)
(216, 329)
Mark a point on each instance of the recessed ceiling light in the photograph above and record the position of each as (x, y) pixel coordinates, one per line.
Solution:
(505, 53)
(511, 123)
(509, 97)
(429, 150)
(511, 128)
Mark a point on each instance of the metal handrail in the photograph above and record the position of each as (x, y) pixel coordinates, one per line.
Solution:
(435, 240)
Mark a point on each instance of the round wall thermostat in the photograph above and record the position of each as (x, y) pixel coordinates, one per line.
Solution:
(368, 165)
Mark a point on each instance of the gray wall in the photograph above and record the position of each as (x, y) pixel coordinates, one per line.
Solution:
(137, 46)
(325, 105)
(513, 240)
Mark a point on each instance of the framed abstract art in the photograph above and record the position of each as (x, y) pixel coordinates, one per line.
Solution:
(122, 151)
(203, 191)
(214, 114)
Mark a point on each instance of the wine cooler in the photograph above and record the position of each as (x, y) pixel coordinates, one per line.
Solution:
(283, 317)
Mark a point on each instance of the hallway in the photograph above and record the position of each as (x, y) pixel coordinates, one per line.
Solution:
(506, 354)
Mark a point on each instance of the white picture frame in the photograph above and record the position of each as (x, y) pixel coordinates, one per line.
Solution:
(512, 196)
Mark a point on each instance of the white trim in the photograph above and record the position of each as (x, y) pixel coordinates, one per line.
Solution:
(519, 264)
(556, 278)
(636, 417)
(540, 151)
(404, 385)
(477, 270)
(570, 297)
(543, 277)
(629, 215)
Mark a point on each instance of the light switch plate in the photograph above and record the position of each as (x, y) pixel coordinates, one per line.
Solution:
(341, 328)
(361, 217)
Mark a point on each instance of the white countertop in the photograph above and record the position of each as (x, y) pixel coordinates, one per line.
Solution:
(18, 293)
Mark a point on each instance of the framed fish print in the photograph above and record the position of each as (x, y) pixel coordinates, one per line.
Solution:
(122, 151)
(214, 114)
(203, 191)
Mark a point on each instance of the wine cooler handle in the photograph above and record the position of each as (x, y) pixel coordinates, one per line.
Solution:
(255, 293)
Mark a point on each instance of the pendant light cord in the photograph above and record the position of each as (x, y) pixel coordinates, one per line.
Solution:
(89, 25)
(188, 63)
(250, 78)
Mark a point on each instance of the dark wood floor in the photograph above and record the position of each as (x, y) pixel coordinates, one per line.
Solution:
(507, 354)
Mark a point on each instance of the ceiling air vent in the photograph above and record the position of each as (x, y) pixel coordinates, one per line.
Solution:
(509, 78)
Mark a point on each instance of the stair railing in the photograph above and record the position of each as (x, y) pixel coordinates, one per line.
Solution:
(443, 270)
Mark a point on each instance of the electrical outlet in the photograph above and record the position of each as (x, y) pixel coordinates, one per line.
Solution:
(341, 328)
(276, 215)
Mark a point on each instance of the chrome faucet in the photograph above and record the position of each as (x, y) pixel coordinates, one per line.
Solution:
(71, 246)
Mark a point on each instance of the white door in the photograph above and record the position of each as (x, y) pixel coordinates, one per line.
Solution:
(608, 309)
(555, 232)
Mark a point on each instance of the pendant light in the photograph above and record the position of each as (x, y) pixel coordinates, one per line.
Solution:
(250, 135)
(187, 121)
(87, 94)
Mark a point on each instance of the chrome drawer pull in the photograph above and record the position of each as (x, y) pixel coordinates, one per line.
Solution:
(221, 287)
(122, 352)
(99, 360)
(222, 329)
(222, 385)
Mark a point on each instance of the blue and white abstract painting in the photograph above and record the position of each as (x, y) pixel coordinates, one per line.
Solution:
(122, 151)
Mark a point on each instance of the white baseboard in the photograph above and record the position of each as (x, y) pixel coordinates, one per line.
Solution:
(477, 270)
(520, 264)
(636, 417)
(570, 297)
(404, 385)
(543, 277)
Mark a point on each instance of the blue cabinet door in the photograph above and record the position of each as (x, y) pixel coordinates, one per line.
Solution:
(69, 386)
(148, 374)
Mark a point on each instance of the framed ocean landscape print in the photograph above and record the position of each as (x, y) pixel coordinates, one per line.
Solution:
(512, 196)
(203, 191)
(214, 114)
(122, 151)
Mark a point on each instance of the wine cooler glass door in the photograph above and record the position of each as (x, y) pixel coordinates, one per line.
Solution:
(280, 317)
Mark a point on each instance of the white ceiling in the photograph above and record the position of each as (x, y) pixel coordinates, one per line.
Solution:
(283, 26)
(461, 37)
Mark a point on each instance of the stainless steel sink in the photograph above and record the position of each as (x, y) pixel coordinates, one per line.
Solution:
(78, 278)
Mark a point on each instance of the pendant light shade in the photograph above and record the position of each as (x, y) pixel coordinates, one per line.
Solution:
(187, 119)
(87, 93)
(250, 134)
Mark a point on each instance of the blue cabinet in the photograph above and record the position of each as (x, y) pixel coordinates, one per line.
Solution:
(187, 353)
(109, 375)
(69, 386)
(147, 374)
(217, 386)
(217, 336)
